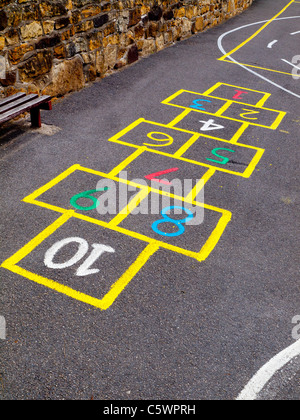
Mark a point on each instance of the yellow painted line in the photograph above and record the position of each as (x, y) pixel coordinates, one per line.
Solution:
(213, 88)
(260, 68)
(260, 103)
(221, 111)
(127, 162)
(179, 118)
(201, 163)
(224, 108)
(47, 206)
(215, 237)
(239, 133)
(170, 98)
(30, 198)
(137, 199)
(109, 298)
(127, 129)
(186, 146)
(200, 185)
(23, 252)
(133, 270)
(249, 171)
(257, 32)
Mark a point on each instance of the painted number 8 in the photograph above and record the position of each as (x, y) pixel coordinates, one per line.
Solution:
(167, 219)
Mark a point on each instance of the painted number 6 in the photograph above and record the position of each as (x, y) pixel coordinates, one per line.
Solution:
(86, 194)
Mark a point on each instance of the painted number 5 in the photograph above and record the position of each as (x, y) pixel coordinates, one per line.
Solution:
(83, 248)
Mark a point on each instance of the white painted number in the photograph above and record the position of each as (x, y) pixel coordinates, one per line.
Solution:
(83, 248)
(211, 125)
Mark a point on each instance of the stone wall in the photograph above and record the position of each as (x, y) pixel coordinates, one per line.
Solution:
(55, 47)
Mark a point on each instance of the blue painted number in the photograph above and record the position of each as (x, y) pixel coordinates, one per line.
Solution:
(197, 104)
(167, 219)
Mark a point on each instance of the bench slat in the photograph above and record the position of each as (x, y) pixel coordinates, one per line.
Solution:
(17, 103)
(12, 98)
(15, 112)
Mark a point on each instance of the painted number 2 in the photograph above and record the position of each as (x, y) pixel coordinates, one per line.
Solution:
(167, 219)
(83, 248)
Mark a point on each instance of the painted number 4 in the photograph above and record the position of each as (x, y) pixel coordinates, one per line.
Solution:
(83, 248)
(210, 125)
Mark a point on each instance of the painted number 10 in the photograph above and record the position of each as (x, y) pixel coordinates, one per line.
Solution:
(83, 248)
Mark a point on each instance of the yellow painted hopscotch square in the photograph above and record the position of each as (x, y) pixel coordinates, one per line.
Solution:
(118, 286)
(182, 152)
(151, 245)
(230, 110)
(114, 223)
(228, 90)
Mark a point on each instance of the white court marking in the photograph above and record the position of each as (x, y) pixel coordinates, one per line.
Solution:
(272, 43)
(291, 64)
(220, 45)
(265, 374)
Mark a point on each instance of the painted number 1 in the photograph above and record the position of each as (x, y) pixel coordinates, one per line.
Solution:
(83, 248)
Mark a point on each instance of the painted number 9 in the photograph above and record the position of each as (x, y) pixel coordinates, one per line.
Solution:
(166, 139)
(167, 219)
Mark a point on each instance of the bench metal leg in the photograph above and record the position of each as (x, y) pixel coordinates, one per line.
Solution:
(36, 117)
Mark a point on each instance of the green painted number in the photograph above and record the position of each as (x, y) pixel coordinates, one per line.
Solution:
(224, 160)
(87, 194)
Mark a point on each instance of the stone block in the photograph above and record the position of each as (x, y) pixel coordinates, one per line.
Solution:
(37, 65)
(66, 77)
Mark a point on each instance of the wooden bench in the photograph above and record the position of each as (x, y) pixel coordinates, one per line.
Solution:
(15, 105)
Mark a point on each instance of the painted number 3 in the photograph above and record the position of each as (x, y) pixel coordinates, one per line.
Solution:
(167, 219)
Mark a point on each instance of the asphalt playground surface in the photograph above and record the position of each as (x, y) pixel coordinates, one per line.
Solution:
(180, 328)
